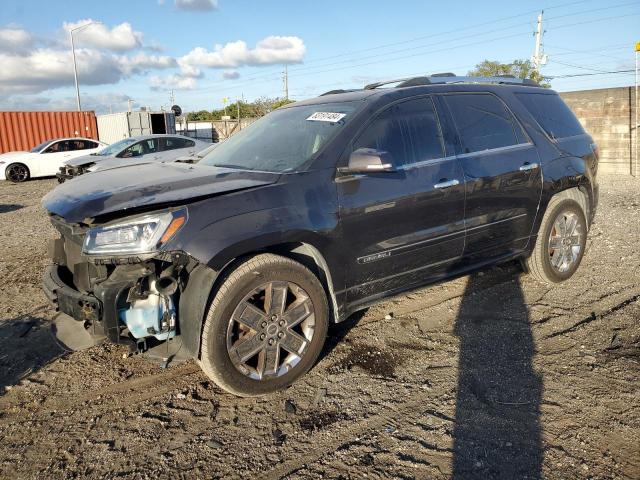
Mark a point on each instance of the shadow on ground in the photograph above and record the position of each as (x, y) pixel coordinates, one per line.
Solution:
(26, 345)
(10, 207)
(497, 419)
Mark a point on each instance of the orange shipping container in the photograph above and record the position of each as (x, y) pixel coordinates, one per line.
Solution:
(25, 130)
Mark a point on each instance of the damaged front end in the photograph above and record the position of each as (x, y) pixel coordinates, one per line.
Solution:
(116, 281)
(67, 172)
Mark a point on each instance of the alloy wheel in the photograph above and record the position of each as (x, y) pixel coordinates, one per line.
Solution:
(565, 241)
(17, 173)
(270, 330)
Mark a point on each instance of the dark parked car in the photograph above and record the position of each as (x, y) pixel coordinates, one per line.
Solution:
(316, 211)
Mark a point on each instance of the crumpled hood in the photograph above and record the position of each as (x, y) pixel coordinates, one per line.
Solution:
(140, 186)
(84, 159)
(112, 162)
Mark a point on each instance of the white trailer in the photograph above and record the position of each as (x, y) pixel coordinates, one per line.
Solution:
(116, 126)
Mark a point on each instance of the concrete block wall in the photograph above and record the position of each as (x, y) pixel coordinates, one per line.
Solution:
(608, 115)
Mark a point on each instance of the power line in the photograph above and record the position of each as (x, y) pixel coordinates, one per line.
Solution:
(318, 69)
(271, 75)
(609, 7)
(591, 74)
(578, 66)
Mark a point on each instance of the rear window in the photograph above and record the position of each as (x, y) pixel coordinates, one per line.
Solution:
(553, 115)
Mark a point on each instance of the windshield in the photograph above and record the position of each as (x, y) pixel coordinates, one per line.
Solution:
(283, 140)
(37, 148)
(116, 147)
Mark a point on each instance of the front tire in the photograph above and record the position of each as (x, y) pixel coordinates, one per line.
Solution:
(266, 326)
(560, 243)
(17, 173)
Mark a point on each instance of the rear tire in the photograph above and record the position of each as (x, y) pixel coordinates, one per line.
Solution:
(266, 326)
(17, 173)
(560, 242)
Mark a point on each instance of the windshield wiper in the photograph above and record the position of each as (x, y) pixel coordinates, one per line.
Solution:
(232, 166)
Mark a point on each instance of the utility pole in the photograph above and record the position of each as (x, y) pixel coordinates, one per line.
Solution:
(172, 98)
(238, 104)
(285, 79)
(539, 58)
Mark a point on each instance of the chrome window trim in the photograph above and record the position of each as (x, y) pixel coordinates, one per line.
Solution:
(517, 146)
(423, 163)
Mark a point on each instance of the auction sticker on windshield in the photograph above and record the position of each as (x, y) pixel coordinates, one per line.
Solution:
(327, 117)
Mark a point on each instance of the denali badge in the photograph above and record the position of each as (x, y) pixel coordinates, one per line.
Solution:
(374, 257)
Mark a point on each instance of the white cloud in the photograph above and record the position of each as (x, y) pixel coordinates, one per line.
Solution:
(107, 55)
(47, 68)
(188, 70)
(14, 39)
(196, 5)
(230, 75)
(269, 51)
(142, 62)
(119, 38)
(175, 82)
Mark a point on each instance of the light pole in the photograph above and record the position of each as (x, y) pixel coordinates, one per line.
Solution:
(73, 54)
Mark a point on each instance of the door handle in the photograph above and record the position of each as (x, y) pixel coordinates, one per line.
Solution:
(447, 184)
(528, 166)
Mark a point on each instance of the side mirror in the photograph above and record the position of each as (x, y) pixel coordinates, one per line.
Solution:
(369, 160)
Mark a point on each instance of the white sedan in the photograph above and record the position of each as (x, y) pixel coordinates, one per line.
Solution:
(132, 151)
(46, 159)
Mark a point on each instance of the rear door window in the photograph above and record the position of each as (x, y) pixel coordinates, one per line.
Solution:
(483, 122)
(172, 143)
(552, 114)
(409, 131)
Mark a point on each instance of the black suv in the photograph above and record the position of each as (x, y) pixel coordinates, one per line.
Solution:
(319, 210)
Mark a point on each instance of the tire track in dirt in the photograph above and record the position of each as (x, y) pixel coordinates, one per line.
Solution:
(135, 390)
(396, 416)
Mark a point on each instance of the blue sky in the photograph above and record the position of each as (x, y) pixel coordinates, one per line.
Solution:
(144, 48)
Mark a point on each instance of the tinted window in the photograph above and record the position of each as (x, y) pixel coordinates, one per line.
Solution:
(483, 122)
(171, 143)
(62, 146)
(408, 131)
(141, 148)
(553, 115)
(81, 144)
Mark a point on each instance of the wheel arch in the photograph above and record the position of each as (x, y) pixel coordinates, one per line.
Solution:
(204, 282)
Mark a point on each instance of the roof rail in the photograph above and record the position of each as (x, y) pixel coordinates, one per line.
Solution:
(332, 92)
(373, 86)
(443, 78)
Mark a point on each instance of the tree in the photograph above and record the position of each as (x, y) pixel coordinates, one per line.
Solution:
(517, 68)
(258, 108)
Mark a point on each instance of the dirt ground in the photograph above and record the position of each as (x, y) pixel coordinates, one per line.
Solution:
(488, 376)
